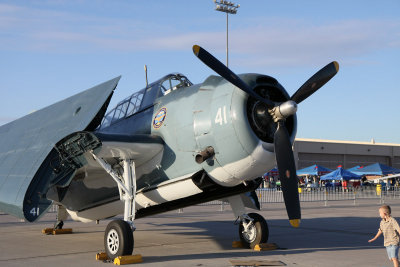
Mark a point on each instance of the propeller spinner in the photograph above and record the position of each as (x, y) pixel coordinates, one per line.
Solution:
(279, 112)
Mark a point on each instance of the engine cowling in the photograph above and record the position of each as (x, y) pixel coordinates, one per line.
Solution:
(238, 128)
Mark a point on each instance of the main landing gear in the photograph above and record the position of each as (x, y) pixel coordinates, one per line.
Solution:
(118, 239)
(118, 236)
(253, 228)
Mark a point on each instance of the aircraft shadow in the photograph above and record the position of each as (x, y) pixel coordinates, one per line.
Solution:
(317, 234)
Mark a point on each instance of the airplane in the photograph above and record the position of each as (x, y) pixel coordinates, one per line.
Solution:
(168, 146)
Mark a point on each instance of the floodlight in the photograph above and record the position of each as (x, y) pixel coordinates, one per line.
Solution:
(228, 7)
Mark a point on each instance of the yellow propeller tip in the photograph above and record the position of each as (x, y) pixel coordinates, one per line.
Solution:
(295, 222)
(336, 65)
(196, 49)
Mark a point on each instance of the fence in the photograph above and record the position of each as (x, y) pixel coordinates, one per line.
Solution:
(326, 194)
(331, 194)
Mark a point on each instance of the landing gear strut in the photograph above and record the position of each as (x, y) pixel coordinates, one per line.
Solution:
(62, 215)
(118, 237)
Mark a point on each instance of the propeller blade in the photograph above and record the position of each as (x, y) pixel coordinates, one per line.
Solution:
(227, 74)
(287, 173)
(315, 82)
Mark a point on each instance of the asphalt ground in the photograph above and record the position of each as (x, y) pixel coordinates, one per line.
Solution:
(333, 235)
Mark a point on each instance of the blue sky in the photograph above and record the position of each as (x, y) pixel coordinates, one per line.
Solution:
(50, 50)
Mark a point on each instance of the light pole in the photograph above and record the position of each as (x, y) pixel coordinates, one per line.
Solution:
(229, 8)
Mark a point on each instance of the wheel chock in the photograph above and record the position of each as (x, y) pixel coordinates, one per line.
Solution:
(47, 231)
(265, 246)
(102, 256)
(52, 231)
(256, 263)
(121, 260)
(237, 244)
(62, 231)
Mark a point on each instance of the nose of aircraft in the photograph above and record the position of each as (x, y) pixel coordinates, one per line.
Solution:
(279, 111)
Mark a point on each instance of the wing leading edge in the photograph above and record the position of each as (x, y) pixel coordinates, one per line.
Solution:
(27, 147)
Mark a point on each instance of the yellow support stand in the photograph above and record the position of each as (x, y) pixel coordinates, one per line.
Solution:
(62, 231)
(265, 246)
(121, 260)
(237, 244)
(256, 263)
(52, 231)
(102, 256)
(258, 247)
(47, 231)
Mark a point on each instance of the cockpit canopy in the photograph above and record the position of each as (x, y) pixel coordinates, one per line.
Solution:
(144, 98)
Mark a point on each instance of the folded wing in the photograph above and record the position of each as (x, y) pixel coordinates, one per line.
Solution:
(27, 147)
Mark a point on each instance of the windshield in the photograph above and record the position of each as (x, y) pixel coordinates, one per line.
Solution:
(144, 98)
(174, 82)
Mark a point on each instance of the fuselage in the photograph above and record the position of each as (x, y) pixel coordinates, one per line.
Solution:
(189, 119)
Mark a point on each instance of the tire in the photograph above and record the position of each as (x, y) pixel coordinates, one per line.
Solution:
(118, 239)
(258, 231)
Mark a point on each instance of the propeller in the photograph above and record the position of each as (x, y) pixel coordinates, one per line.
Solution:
(226, 73)
(287, 173)
(279, 112)
(316, 81)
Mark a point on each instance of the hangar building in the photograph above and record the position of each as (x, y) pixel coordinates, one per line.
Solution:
(330, 154)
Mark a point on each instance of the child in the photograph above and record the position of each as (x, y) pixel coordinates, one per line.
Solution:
(390, 230)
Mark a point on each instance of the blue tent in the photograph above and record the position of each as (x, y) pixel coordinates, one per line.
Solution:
(340, 174)
(355, 168)
(273, 172)
(313, 170)
(376, 169)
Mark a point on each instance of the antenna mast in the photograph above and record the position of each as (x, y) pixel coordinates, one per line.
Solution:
(145, 70)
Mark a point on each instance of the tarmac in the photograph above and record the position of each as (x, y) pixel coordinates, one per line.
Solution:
(333, 235)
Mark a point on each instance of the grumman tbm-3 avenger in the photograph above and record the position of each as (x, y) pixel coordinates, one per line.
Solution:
(168, 146)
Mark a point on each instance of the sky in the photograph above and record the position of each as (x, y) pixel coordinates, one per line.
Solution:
(52, 49)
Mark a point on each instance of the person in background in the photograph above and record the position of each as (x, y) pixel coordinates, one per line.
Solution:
(390, 230)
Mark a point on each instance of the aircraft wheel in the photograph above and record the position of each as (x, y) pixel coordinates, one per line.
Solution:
(257, 231)
(118, 239)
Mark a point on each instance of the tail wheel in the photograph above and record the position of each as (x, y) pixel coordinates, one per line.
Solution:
(118, 239)
(253, 232)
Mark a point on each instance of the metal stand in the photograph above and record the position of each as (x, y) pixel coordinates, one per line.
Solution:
(126, 186)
